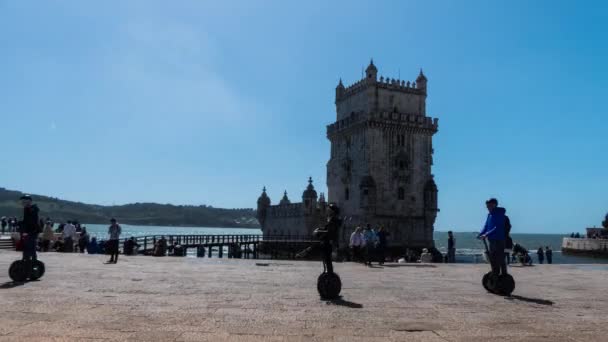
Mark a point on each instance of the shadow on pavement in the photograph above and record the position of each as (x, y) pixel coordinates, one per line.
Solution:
(531, 300)
(341, 302)
(410, 265)
(11, 284)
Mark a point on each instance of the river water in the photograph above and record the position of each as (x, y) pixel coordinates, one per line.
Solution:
(468, 248)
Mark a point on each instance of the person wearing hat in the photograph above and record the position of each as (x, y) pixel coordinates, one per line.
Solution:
(114, 232)
(29, 229)
(329, 235)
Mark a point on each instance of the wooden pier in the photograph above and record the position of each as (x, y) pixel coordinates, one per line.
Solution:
(232, 246)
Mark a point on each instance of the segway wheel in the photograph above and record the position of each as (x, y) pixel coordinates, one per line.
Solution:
(488, 282)
(506, 284)
(329, 286)
(37, 270)
(17, 271)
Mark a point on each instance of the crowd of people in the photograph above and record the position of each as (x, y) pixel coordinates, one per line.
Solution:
(368, 244)
(68, 237)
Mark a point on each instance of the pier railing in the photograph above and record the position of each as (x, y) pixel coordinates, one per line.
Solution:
(234, 246)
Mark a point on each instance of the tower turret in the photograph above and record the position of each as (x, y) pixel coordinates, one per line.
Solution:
(421, 81)
(285, 200)
(263, 204)
(309, 197)
(371, 73)
(339, 90)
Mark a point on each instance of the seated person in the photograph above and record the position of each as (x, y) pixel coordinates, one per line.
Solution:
(426, 256)
(92, 246)
(58, 245)
(130, 246)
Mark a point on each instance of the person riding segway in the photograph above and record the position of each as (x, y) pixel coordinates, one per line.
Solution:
(497, 281)
(329, 284)
(29, 267)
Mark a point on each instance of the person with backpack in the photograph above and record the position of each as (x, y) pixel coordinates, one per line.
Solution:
(494, 232)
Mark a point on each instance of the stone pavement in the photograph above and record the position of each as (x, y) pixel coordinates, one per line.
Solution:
(186, 299)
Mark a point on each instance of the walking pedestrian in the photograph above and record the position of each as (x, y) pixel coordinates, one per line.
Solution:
(370, 240)
(382, 243)
(356, 244)
(114, 232)
(451, 247)
(541, 254)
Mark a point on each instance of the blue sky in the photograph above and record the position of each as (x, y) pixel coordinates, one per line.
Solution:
(200, 102)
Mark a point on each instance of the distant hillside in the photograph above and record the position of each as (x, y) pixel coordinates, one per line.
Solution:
(137, 213)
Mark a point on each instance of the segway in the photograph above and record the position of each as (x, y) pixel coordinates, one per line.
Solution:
(18, 271)
(502, 285)
(329, 285)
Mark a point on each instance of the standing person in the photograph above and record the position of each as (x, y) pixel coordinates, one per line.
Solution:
(494, 232)
(69, 231)
(508, 239)
(4, 223)
(329, 236)
(549, 255)
(83, 240)
(47, 236)
(541, 255)
(369, 238)
(356, 243)
(114, 232)
(29, 229)
(382, 235)
(451, 247)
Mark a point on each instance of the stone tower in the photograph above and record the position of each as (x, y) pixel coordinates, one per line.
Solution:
(379, 171)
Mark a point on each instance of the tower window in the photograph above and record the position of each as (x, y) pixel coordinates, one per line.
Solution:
(365, 192)
(400, 194)
(401, 165)
(346, 194)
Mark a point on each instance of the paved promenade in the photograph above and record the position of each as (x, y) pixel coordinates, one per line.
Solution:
(179, 299)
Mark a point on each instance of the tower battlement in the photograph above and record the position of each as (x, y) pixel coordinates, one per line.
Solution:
(403, 86)
(373, 94)
(404, 121)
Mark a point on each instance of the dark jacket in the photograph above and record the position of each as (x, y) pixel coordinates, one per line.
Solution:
(30, 223)
(494, 228)
(332, 227)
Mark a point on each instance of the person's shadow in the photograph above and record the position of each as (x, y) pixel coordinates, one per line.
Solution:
(340, 301)
(11, 284)
(531, 300)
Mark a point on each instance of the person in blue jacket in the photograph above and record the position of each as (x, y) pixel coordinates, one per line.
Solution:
(494, 232)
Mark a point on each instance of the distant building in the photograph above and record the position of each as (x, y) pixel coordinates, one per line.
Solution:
(288, 218)
(379, 171)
